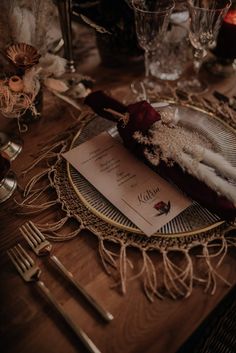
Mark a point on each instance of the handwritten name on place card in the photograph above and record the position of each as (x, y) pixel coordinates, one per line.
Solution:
(139, 193)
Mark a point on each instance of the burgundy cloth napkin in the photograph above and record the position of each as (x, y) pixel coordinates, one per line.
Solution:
(141, 116)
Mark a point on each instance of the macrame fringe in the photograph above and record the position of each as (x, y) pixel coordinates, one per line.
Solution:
(150, 278)
(48, 154)
(107, 257)
(31, 194)
(29, 186)
(50, 230)
(177, 281)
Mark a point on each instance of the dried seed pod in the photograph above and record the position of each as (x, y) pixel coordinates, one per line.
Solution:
(22, 55)
(16, 84)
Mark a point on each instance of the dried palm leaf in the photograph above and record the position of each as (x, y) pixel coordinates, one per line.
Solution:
(22, 55)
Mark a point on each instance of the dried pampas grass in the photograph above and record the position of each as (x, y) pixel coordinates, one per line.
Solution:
(22, 22)
(52, 65)
(26, 21)
(56, 85)
(172, 143)
(43, 11)
(31, 81)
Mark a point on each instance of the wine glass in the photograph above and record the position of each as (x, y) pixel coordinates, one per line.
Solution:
(151, 22)
(205, 20)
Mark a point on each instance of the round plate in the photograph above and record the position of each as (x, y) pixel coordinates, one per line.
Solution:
(195, 219)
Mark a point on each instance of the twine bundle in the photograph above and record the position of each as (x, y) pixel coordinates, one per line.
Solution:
(13, 102)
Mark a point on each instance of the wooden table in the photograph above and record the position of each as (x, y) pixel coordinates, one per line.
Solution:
(29, 324)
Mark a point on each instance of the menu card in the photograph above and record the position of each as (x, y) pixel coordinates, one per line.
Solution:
(139, 193)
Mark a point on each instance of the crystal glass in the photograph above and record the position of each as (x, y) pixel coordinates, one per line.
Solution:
(205, 20)
(151, 22)
(173, 53)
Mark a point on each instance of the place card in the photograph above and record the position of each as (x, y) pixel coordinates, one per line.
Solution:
(138, 192)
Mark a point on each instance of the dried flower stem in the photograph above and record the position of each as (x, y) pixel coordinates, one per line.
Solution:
(122, 117)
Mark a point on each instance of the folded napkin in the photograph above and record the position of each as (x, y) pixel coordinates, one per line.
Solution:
(142, 117)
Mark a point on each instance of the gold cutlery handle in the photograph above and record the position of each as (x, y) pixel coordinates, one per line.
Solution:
(105, 314)
(77, 330)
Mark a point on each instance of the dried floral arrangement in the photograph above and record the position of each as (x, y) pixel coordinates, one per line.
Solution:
(25, 61)
(171, 143)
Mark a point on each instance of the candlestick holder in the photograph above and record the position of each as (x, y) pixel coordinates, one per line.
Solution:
(73, 78)
(9, 148)
(64, 10)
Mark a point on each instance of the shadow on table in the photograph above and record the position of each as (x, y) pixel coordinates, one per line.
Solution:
(217, 334)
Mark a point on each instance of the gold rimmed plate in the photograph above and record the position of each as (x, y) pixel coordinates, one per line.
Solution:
(195, 219)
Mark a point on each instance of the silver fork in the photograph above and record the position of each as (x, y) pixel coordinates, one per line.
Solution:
(42, 246)
(30, 272)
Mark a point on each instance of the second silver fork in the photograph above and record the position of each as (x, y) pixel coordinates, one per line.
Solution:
(30, 272)
(41, 246)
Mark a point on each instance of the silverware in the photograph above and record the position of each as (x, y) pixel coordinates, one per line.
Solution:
(30, 272)
(231, 101)
(41, 246)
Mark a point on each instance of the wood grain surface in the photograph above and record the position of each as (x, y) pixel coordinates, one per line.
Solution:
(28, 324)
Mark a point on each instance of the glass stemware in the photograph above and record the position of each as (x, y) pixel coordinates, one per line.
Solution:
(205, 20)
(151, 22)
